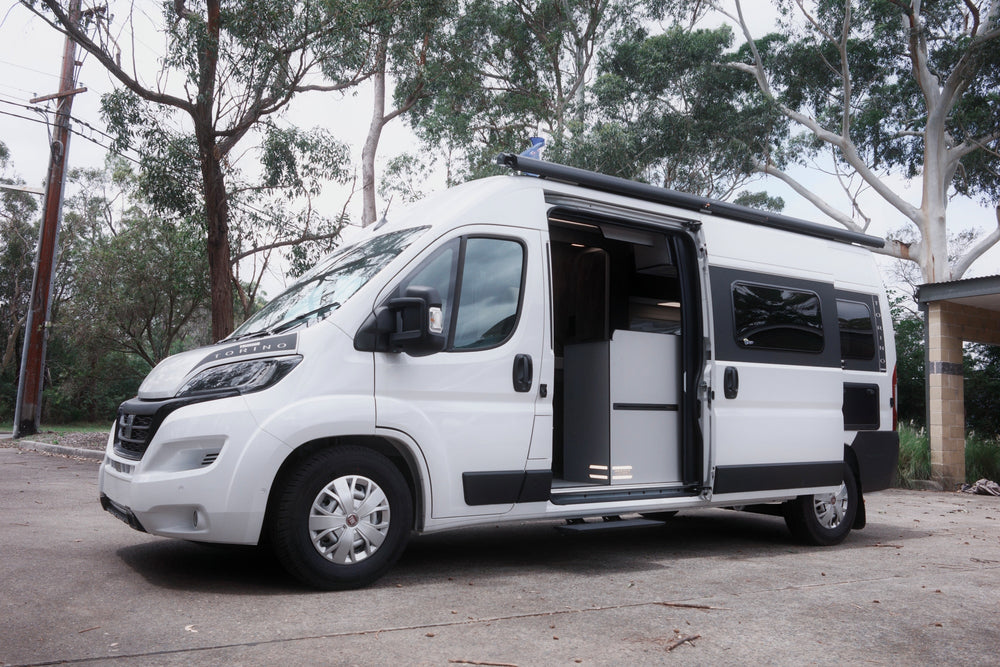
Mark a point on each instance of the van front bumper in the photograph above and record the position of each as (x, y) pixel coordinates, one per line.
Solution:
(184, 485)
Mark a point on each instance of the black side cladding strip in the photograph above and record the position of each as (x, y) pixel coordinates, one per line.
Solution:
(503, 487)
(646, 192)
(773, 477)
(648, 407)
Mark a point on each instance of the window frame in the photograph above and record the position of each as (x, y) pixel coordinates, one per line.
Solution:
(457, 279)
(779, 288)
(878, 363)
(725, 347)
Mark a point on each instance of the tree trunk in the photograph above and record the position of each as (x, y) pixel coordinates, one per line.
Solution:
(937, 177)
(11, 347)
(369, 213)
(217, 226)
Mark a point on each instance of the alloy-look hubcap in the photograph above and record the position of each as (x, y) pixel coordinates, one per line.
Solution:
(349, 519)
(831, 508)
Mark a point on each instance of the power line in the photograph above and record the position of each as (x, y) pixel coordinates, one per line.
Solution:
(49, 111)
(76, 132)
(29, 69)
(33, 120)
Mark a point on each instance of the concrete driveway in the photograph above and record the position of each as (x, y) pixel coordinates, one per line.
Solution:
(918, 586)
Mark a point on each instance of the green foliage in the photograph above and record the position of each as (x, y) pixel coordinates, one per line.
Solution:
(982, 389)
(405, 178)
(516, 69)
(888, 111)
(911, 381)
(137, 280)
(914, 455)
(982, 458)
(298, 162)
(658, 101)
(760, 200)
(18, 236)
(87, 383)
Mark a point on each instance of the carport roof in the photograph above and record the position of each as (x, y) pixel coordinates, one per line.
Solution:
(976, 292)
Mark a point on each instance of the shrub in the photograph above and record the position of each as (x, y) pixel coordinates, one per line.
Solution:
(914, 455)
(982, 458)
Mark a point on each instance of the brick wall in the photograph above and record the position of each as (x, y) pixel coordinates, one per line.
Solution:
(948, 326)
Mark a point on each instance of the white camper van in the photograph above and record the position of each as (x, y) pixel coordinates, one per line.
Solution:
(557, 345)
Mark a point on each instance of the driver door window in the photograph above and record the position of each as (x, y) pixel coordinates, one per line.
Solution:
(482, 306)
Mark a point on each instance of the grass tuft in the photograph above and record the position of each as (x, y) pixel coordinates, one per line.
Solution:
(982, 457)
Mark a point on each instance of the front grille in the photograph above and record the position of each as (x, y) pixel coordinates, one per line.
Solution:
(139, 420)
(132, 434)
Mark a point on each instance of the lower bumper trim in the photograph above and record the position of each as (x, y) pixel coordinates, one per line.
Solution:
(121, 512)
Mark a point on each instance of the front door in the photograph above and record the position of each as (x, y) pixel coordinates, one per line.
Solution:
(471, 408)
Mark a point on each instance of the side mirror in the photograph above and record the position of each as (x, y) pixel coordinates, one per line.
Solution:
(418, 322)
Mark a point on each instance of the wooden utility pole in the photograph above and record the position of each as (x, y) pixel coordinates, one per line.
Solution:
(28, 409)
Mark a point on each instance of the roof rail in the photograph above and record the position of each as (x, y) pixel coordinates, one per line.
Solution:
(646, 192)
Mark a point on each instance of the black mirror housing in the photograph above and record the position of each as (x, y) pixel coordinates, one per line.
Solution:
(412, 323)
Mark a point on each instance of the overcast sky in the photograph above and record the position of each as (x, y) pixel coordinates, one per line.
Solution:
(30, 60)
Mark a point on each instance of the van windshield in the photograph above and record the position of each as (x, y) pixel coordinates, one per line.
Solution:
(328, 284)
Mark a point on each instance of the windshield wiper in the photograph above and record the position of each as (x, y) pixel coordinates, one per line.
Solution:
(285, 326)
(252, 334)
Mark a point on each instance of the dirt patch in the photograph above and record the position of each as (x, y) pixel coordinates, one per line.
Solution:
(96, 440)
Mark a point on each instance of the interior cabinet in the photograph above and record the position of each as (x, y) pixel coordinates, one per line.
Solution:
(621, 419)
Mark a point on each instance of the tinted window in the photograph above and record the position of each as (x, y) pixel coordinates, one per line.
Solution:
(490, 293)
(857, 333)
(437, 271)
(777, 318)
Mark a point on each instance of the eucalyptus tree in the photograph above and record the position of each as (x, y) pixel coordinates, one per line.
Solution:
(18, 236)
(408, 44)
(663, 111)
(894, 89)
(130, 280)
(518, 68)
(225, 68)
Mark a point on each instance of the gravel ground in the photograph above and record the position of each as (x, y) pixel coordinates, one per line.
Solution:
(95, 440)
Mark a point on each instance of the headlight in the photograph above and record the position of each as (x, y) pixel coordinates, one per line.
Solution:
(242, 377)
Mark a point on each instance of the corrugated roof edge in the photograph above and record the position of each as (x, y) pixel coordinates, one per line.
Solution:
(957, 289)
(646, 192)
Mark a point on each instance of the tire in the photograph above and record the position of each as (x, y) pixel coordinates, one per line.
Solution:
(825, 519)
(317, 531)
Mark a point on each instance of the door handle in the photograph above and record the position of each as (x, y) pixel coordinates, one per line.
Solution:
(522, 373)
(731, 382)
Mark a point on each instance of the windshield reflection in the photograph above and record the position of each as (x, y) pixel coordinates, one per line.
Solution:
(328, 284)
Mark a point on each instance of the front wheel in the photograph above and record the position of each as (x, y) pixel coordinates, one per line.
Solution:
(825, 519)
(341, 518)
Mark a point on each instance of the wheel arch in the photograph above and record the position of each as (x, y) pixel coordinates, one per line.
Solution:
(397, 453)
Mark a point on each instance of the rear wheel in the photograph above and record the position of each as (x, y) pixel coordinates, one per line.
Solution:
(341, 518)
(825, 519)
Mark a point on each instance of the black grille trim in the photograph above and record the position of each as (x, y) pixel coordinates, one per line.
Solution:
(138, 421)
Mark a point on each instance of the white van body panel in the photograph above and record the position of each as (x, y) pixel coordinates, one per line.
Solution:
(209, 471)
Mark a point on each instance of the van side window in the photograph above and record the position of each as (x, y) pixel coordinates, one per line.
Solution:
(777, 318)
(438, 271)
(489, 293)
(857, 332)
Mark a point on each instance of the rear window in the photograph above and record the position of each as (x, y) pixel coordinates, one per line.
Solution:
(857, 330)
(770, 317)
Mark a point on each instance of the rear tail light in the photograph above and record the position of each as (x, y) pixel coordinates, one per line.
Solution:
(895, 402)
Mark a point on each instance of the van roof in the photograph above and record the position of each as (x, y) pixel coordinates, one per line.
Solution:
(646, 192)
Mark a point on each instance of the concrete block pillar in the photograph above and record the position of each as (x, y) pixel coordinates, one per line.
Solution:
(946, 398)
